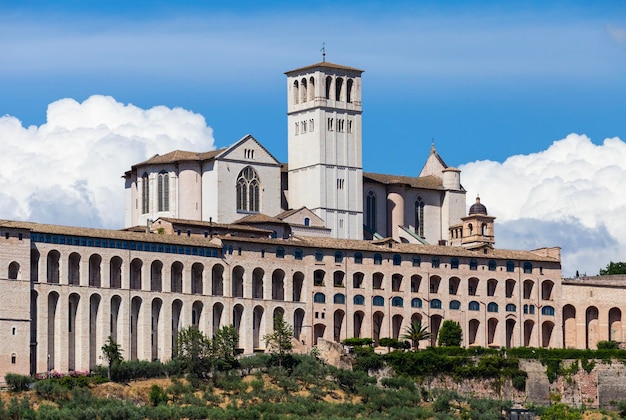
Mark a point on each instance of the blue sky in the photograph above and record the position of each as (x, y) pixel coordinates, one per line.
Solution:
(488, 80)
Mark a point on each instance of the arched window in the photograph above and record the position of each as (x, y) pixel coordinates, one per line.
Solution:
(349, 90)
(510, 266)
(416, 303)
(303, 90)
(378, 301)
(145, 194)
(319, 255)
(329, 84)
(529, 309)
(318, 277)
(297, 254)
(338, 257)
(473, 306)
(419, 216)
(338, 89)
(492, 265)
(454, 263)
(296, 92)
(370, 211)
(397, 301)
(319, 298)
(435, 304)
(510, 307)
(492, 307)
(547, 310)
(435, 262)
(163, 191)
(455, 305)
(359, 300)
(307, 221)
(14, 269)
(339, 298)
(248, 187)
(528, 268)
(378, 259)
(358, 258)
(280, 252)
(417, 261)
(470, 227)
(473, 265)
(397, 259)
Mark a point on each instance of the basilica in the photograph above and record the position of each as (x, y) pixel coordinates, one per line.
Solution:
(235, 237)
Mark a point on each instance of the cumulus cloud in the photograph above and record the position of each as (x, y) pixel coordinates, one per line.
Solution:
(569, 195)
(68, 170)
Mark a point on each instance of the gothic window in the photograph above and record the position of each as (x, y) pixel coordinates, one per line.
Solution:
(419, 216)
(163, 192)
(338, 89)
(349, 90)
(145, 194)
(370, 209)
(248, 187)
(329, 83)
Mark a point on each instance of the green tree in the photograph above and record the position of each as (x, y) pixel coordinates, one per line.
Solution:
(224, 346)
(279, 341)
(614, 268)
(112, 352)
(194, 350)
(415, 333)
(450, 334)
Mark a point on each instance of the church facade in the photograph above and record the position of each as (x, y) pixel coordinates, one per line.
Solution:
(235, 237)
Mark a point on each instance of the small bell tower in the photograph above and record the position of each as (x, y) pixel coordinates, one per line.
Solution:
(478, 227)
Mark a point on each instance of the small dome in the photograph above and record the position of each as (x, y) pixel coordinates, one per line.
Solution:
(477, 208)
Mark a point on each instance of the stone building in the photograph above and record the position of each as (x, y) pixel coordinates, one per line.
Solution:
(234, 237)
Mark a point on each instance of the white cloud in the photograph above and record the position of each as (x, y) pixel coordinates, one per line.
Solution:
(569, 195)
(68, 170)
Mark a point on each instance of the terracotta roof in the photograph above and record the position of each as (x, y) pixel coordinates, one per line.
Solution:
(400, 248)
(427, 182)
(202, 223)
(323, 64)
(260, 218)
(288, 213)
(180, 155)
(108, 234)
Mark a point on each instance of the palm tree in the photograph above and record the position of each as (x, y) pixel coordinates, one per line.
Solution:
(415, 333)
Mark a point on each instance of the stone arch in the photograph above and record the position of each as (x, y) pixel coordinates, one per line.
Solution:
(135, 274)
(298, 322)
(176, 277)
(217, 280)
(135, 318)
(218, 311)
(258, 328)
(434, 284)
(73, 269)
(416, 317)
(546, 333)
(492, 332)
(547, 288)
(95, 276)
(615, 324)
(357, 323)
(34, 265)
(95, 332)
(34, 308)
(72, 325)
(472, 286)
(474, 326)
(528, 288)
(492, 286)
(156, 329)
(53, 302)
(338, 320)
(592, 329)
(416, 281)
(529, 325)
(177, 310)
(453, 285)
(509, 288)
(377, 326)
(116, 305)
(318, 332)
(237, 281)
(396, 326)
(237, 318)
(298, 281)
(435, 324)
(377, 280)
(197, 315)
(115, 273)
(569, 326)
(14, 270)
(278, 285)
(510, 328)
(197, 279)
(257, 283)
(52, 266)
(156, 276)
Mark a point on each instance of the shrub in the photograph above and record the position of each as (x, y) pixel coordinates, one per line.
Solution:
(50, 390)
(357, 342)
(399, 382)
(450, 334)
(17, 383)
(158, 395)
(608, 345)
(560, 412)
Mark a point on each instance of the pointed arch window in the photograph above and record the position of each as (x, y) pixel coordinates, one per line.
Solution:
(163, 191)
(248, 187)
(419, 216)
(145, 194)
(370, 210)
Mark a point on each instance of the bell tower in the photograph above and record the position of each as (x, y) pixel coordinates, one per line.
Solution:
(325, 145)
